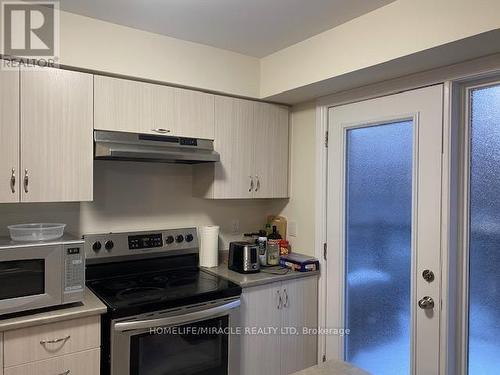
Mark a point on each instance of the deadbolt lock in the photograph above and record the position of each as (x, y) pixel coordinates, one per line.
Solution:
(428, 275)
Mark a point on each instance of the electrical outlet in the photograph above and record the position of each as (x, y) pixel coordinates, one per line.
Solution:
(292, 229)
(235, 226)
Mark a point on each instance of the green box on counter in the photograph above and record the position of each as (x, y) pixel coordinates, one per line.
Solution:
(299, 262)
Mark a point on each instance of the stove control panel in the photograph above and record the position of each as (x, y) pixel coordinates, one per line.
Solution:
(145, 241)
(107, 247)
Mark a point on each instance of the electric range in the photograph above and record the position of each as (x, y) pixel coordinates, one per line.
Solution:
(165, 315)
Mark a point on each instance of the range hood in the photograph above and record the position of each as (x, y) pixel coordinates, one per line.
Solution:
(110, 145)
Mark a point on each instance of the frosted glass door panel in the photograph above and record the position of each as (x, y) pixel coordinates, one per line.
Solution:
(378, 246)
(484, 246)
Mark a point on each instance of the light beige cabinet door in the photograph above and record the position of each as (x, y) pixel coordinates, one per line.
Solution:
(9, 136)
(233, 140)
(1, 353)
(56, 136)
(271, 153)
(194, 114)
(131, 106)
(81, 363)
(259, 309)
(300, 310)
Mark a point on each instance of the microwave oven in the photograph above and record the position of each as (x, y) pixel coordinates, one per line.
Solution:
(35, 275)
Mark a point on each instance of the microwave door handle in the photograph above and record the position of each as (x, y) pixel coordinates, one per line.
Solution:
(177, 319)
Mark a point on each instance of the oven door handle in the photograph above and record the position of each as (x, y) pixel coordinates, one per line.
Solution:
(177, 319)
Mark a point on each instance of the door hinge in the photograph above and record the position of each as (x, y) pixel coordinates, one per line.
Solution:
(324, 358)
(325, 249)
(326, 139)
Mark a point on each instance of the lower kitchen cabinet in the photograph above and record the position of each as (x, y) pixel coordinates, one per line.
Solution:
(281, 305)
(83, 363)
(66, 347)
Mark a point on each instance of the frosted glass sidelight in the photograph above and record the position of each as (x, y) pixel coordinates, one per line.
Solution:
(484, 246)
(378, 246)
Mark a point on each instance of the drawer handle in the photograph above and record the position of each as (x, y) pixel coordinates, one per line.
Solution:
(63, 339)
(65, 372)
(161, 130)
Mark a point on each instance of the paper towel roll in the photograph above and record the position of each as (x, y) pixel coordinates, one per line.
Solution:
(209, 245)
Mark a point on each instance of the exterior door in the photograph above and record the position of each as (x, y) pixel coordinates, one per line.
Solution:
(482, 230)
(384, 199)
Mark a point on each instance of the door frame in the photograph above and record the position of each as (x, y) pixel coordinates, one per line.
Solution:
(453, 77)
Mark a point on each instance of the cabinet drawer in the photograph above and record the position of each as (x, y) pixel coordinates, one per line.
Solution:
(83, 363)
(51, 340)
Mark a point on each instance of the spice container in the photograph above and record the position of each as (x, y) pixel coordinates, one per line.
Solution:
(284, 247)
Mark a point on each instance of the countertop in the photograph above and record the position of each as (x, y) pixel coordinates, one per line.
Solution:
(91, 305)
(332, 368)
(260, 278)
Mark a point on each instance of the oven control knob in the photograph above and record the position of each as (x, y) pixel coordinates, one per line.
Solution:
(96, 246)
(179, 238)
(170, 240)
(109, 245)
(189, 237)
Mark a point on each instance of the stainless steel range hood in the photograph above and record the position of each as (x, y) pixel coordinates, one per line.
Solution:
(110, 145)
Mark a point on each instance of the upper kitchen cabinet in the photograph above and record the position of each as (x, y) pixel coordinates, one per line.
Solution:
(56, 136)
(252, 140)
(139, 107)
(271, 151)
(9, 136)
(232, 176)
(193, 114)
(131, 106)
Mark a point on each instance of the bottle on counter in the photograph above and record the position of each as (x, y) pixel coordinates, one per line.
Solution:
(273, 252)
(262, 243)
(274, 235)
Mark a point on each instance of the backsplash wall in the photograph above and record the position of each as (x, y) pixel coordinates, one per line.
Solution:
(142, 196)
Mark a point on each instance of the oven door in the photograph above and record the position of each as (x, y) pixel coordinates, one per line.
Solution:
(195, 340)
(30, 278)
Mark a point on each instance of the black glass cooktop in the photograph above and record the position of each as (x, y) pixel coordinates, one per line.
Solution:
(141, 292)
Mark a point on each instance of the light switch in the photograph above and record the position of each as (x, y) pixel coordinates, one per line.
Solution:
(292, 228)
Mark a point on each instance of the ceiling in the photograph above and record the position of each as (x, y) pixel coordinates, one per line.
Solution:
(251, 27)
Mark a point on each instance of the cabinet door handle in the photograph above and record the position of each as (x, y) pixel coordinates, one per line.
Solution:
(251, 184)
(65, 372)
(257, 186)
(55, 341)
(280, 301)
(26, 180)
(161, 130)
(13, 181)
(286, 304)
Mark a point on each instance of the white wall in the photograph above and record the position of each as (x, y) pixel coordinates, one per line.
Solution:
(300, 207)
(94, 44)
(141, 196)
(399, 29)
